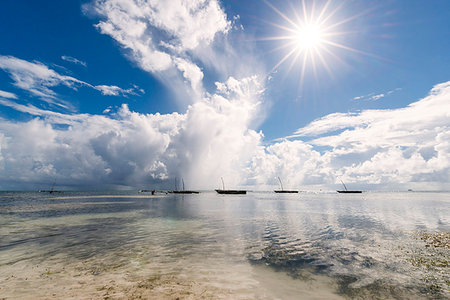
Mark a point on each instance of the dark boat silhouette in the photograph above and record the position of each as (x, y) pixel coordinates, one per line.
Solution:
(346, 191)
(52, 190)
(147, 191)
(233, 192)
(283, 191)
(183, 191)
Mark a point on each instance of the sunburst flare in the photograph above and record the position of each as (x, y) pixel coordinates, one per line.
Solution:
(309, 36)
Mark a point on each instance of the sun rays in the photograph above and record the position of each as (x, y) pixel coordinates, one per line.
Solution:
(310, 36)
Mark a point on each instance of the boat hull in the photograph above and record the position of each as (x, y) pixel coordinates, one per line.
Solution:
(50, 192)
(233, 192)
(286, 192)
(185, 192)
(349, 192)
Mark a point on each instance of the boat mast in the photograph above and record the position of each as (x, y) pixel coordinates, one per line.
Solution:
(53, 186)
(182, 182)
(281, 184)
(223, 184)
(176, 184)
(343, 185)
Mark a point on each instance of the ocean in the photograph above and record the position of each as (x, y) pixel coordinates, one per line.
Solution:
(126, 245)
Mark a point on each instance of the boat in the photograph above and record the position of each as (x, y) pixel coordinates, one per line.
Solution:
(147, 191)
(283, 191)
(183, 191)
(230, 192)
(346, 191)
(52, 190)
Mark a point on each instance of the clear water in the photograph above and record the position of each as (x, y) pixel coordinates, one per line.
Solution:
(124, 245)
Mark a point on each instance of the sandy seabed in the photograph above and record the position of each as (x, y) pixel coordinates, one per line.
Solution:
(93, 279)
(195, 248)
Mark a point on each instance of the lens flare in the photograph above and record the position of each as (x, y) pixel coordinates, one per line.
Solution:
(311, 35)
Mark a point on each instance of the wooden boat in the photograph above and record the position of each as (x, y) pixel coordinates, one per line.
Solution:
(346, 191)
(230, 192)
(183, 191)
(235, 192)
(283, 191)
(147, 191)
(51, 191)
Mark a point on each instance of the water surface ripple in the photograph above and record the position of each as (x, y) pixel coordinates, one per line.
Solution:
(124, 245)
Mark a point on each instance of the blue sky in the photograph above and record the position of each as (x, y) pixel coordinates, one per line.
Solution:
(211, 88)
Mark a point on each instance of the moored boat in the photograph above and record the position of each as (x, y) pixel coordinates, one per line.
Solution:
(231, 192)
(283, 191)
(347, 191)
(183, 191)
(235, 192)
(51, 191)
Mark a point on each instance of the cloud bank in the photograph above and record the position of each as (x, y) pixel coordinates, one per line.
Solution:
(373, 149)
(210, 140)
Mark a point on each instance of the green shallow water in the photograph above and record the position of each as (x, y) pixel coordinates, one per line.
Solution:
(125, 245)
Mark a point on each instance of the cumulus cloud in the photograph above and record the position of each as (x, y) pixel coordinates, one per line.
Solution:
(39, 80)
(74, 60)
(386, 147)
(382, 149)
(161, 36)
(126, 148)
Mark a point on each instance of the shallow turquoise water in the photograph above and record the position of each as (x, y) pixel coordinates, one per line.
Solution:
(254, 246)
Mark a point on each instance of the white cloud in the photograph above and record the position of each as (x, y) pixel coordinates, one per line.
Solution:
(162, 36)
(112, 90)
(191, 72)
(39, 80)
(189, 22)
(36, 78)
(387, 147)
(56, 117)
(384, 149)
(210, 140)
(74, 60)
(375, 97)
(7, 95)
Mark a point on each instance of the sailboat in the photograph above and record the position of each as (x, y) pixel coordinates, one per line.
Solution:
(52, 190)
(183, 191)
(283, 190)
(224, 191)
(346, 191)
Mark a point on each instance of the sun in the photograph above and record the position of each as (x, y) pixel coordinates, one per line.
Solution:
(310, 36)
